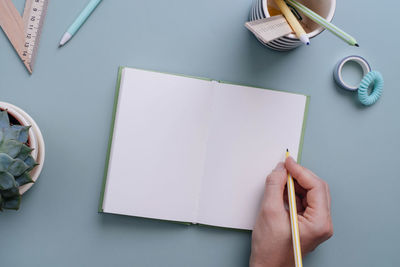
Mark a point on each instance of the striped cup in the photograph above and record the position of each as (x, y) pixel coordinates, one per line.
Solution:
(267, 8)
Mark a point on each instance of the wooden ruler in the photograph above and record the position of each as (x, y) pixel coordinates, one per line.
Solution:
(24, 32)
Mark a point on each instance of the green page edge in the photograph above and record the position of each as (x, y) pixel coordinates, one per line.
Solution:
(116, 95)
(303, 130)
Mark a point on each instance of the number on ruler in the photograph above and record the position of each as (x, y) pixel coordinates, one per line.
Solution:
(33, 27)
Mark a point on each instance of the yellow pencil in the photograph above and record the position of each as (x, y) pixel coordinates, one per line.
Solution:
(293, 22)
(293, 220)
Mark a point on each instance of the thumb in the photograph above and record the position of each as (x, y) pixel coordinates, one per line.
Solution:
(275, 186)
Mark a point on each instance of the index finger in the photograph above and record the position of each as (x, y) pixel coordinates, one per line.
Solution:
(317, 196)
(303, 176)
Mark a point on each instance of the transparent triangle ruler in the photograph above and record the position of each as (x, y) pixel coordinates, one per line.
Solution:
(24, 31)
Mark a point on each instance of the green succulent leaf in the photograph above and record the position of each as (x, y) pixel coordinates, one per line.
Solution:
(7, 181)
(11, 147)
(10, 193)
(24, 179)
(17, 167)
(10, 134)
(15, 162)
(12, 203)
(5, 162)
(30, 162)
(23, 132)
(24, 152)
(4, 120)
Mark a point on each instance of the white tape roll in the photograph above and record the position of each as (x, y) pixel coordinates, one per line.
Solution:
(337, 73)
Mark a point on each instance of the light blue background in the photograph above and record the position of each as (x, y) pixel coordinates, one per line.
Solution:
(70, 95)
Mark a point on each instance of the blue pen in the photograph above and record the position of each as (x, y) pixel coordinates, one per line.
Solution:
(80, 20)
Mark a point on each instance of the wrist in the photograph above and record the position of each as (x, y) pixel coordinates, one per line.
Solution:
(256, 261)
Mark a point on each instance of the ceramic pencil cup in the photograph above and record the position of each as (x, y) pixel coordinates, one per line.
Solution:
(267, 8)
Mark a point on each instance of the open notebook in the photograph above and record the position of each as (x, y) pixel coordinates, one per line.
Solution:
(195, 150)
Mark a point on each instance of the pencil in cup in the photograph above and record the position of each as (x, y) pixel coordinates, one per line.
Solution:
(293, 220)
(266, 8)
(293, 22)
(324, 23)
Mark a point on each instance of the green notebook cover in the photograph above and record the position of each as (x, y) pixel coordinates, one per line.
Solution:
(100, 209)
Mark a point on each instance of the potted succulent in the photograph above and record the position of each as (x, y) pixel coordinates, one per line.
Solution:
(22, 154)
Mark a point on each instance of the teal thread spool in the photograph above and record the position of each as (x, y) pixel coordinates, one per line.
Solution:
(370, 78)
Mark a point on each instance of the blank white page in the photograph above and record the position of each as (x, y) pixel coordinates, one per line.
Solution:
(158, 146)
(250, 130)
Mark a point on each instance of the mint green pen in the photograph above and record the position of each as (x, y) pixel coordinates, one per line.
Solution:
(324, 23)
(79, 21)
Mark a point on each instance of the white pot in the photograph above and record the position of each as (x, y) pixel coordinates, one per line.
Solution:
(35, 140)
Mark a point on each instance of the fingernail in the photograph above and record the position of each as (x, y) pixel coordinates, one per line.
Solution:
(279, 167)
(290, 158)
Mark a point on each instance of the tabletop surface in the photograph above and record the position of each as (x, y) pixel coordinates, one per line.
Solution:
(70, 95)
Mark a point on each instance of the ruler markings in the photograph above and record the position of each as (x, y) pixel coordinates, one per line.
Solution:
(34, 23)
(24, 31)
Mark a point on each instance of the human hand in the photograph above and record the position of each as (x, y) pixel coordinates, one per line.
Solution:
(271, 239)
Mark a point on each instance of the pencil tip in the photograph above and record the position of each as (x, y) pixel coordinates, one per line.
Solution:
(287, 150)
(357, 45)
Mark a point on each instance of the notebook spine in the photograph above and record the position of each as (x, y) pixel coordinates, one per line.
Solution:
(197, 209)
